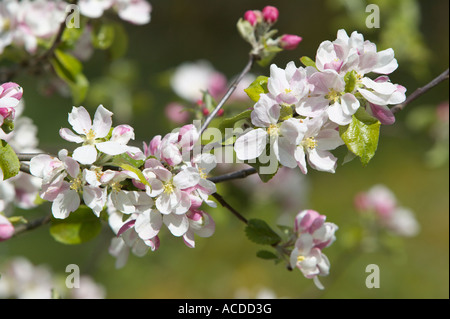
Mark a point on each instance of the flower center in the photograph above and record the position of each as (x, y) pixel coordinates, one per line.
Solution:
(115, 186)
(90, 137)
(309, 142)
(202, 173)
(168, 188)
(333, 95)
(287, 91)
(76, 184)
(300, 258)
(273, 130)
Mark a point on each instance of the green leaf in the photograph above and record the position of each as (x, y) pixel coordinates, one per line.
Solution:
(231, 121)
(258, 86)
(307, 61)
(69, 69)
(102, 35)
(350, 79)
(361, 135)
(265, 170)
(81, 226)
(265, 254)
(119, 46)
(259, 232)
(126, 165)
(9, 162)
(246, 30)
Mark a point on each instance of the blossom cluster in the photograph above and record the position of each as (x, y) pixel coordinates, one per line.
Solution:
(28, 23)
(23, 280)
(313, 234)
(20, 190)
(300, 114)
(10, 95)
(381, 202)
(160, 187)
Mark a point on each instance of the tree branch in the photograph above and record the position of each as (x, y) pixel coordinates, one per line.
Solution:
(32, 225)
(228, 206)
(234, 175)
(418, 92)
(230, 91)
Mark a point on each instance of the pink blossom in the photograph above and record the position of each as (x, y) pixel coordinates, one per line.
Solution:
(176, 113)
(290, 41)
(6, 228)
(251, 17)
(270, 14)
(10, 95)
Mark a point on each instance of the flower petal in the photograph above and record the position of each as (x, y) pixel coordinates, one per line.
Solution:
(86, 154)
(102, 122)
(251, 144)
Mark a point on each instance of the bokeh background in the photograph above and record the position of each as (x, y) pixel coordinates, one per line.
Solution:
(225, 265)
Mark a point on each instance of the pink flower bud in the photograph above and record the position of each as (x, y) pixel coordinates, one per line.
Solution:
(176, 113)
(308, 221)
(270, 14)
(290, 41)
(6, 228)
(251, 17)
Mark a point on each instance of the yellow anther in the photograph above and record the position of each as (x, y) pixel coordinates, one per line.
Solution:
(273, 130)
(168, 188)
(309, 142)
(333, 95)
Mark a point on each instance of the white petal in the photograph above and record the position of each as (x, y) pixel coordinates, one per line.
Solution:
(80, 120)
(386, 62)
(284, 152)
(148, 224)
(70, 136)
(300, 157)
(177, 224)
(349, 104)
(111, 148)
(322, 160)
(385, 88)
(336, 115)
(94, 198)
(102, 122)
(251, 144)
(65, 203)
(328, 139)
(188, 177)
(183, 205)
(86, 154)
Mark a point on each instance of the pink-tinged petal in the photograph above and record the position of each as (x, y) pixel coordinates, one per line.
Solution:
(304, 244)
(300, 157)
(284, 151)
(251, 145)
(304, 220)
(337, 115)
(65, 203)
(70, 136)
(367, 61)
(382, 113)
(122, 201)
(148, 224)
(293, 130)
(153, 243)
(111, 148)
(384, 88)
(80, 120)
(6, 228)
(265, 112)
(154, 146)
(8, 102)
(312, 106)
(349, 104)
(122, 134)
(139, 248)
(183, 205)
(40, 163)
(126, 226)
(177, 224)
(86, 154)
(189, 239)
(322, 160)
(102, 122)
(328, 139)
(94, 198)
(163, 204)
(386, 63)
(188, 177)
(208, 228)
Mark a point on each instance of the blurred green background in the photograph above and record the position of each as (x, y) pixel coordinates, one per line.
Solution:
(225, 265)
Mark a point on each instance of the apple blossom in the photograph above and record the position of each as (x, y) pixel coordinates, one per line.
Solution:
(6, 228)
(287, 86)
(251, 17)
(134, 11)
(290, 41)
(270, 14)
(10, 95)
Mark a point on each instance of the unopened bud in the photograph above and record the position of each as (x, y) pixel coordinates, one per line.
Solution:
(270, 14)
(251, 17)
(290, 41)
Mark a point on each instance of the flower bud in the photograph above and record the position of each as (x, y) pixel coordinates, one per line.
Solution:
(6, 228)
(251, 17)
(290, 41)
(270, 14)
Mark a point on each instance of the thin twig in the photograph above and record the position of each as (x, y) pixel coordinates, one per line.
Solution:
(418, 92)
(222, 202)
(230, 91)
(234, 175)
(32, 225)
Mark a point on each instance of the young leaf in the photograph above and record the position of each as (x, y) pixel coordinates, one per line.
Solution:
(350, 79)
(307, 61)
(258, 86)
(81, 226)
(361, 135)
(259, 232)
(69, 69)
(102, 35)
(9, 163)
(231, 121)
(265, 254)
